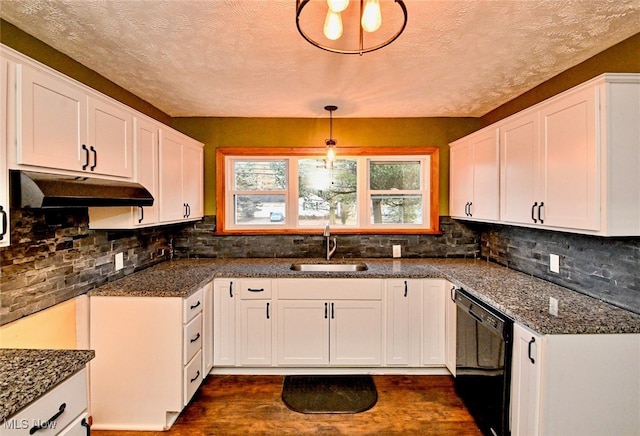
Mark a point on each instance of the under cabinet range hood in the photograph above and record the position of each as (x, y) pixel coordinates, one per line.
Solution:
(44, 190)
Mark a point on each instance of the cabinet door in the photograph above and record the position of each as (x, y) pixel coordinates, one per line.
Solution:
(110, 138)
(254, 332)
(193, 180)
(519, 169)
(525, 381)
(450, 328)
(460, 178)
(5, 230)
(146, 141)
(433, 324)
(303, 332)
(172, 208)
(570, 161)
(53, 127)
(207, 330)
(486, 176)
(355, 333)
(404, 319)
(224, 322)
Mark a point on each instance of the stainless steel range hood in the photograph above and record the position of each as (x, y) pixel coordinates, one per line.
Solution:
(43, 190)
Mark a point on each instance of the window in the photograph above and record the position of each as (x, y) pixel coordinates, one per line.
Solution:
(368, 190)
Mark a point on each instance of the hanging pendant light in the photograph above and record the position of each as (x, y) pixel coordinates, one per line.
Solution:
(363, 28)
(330, 143)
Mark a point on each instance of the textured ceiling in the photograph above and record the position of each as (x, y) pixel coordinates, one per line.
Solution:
(245, 58)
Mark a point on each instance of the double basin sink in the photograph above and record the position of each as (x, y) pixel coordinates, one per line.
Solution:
(329, 267)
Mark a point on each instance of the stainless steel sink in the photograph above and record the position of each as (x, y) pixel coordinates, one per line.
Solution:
(329, 267)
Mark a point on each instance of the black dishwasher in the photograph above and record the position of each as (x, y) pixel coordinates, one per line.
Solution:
(483, 362)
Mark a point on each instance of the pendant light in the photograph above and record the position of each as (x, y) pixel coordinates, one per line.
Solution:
(330, 143)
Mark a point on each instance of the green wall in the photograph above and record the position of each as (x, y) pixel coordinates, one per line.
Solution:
(305, 132)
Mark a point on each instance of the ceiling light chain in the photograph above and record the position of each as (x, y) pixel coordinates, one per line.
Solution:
(370, 20)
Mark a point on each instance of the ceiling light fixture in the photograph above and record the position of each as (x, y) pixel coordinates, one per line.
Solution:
(331, 143)
(368, 19)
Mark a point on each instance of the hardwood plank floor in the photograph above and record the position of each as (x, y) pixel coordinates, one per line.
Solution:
(233, 405)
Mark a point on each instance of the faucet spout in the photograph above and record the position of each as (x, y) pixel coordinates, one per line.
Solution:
(327, 234)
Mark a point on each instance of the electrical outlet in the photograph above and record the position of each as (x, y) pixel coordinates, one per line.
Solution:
(553, 306)
(554, 263)
(397, 251)
(119, 261)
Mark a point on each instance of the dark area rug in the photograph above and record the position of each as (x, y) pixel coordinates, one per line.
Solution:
(329, 393)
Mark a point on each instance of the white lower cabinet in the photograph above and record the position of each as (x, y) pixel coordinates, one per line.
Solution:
(575, 384)
(255, 317)
(335, 322)
(61, 411)
(433, 323)
(404, 322)
(225, 294)
(148, 359)
(450, 319)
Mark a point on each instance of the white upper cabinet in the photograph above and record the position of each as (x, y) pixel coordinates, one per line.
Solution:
(4, 173)
(474, 176)
(61, 125)
(181, 186)
(570, 163)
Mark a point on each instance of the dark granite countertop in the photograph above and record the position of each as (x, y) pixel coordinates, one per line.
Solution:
(25, 375)
(520, 296)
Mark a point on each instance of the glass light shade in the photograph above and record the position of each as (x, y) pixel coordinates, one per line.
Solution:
(371, 17)
(338, 5)
(331, 153)
(333, 25)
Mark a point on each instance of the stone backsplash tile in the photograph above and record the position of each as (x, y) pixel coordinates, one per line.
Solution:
(605, 268)
(54, 256)
(199, 240)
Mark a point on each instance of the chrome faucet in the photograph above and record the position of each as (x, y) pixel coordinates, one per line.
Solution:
(327, 234)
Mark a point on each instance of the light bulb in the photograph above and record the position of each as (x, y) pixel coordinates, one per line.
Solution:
(338, 5)
(371, 17)
(331, 153)
(333, 25)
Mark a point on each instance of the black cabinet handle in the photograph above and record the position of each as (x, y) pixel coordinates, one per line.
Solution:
(95, 158)
(540, 212)
(452, 293)
(196, 377)
(86, 157)
(188, 210)
(326, 313)
(3, 231)
(466, 208)
(268, 310)
(184, 206)
(533, 211)
(231, 289)
(86, 425)
(405, 289)
(531, 342)
(255, 290)
(195, 305)
(141, 209)
(333, 315)
(470, 204)
(196, 338)
(51, 420)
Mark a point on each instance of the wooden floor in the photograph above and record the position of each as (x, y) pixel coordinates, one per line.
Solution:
(241, 405)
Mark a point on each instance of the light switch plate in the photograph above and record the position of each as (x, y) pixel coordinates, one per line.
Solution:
(554, 263)
(397, 251)
(119, 261)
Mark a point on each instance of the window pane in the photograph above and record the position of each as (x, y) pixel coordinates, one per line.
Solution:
(327, 195)
(386, 175)
(260, 175)
(259, 209)
(396, 209)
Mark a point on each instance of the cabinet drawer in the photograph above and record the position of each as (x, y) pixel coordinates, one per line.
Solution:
(69, 397)
(330, 289)
(192, 338)
(79, 427)
(255, 289)
(192, 376)
(192, 306)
